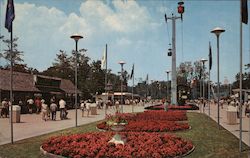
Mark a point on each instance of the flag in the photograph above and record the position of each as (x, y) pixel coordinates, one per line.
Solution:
(10, 15)
(103, 64)
(132, 72)
(210, 57)
(244, 11)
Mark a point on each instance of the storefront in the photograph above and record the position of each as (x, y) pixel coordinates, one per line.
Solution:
(27, 86)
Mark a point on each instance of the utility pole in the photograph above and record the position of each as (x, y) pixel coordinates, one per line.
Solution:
(174, 74)
(173, 80)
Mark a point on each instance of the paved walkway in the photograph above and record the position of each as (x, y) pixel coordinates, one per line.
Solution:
(32, 124)
(234, 129)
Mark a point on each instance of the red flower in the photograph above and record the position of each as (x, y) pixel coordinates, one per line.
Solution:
(138, 144)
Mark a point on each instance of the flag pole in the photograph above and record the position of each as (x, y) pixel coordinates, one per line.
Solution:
(11, 84)
(210, 66)
(106, 76)
(10, 16)
(133, 91)
(240, 108)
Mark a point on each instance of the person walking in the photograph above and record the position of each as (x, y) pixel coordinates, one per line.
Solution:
(30, 102)
(166, 104)
(83, 106)
(5, 108)
(53, 108)
(117, 106)
(38, 104)
(62, 106)
(44, 110)
(88, 107)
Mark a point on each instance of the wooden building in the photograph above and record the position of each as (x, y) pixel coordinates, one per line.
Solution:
(27, 85)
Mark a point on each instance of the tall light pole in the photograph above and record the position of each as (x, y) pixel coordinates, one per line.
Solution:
(217, 31)
(168, 71)
(180, 9)
(203, 80)
(174, 81)
(122, 63)
(76, 37)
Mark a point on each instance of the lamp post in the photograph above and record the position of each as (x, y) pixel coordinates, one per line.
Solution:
(168, 71)
(122, 63)
(76, 37)
(217, 31)
(203, 80)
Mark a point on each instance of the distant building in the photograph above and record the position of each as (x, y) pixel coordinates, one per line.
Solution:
(116, 96)
(27, 85)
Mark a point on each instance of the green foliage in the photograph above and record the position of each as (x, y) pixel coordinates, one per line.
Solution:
(90, 76)
(16, 54)
(245, 81)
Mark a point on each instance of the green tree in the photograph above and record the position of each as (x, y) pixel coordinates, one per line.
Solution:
(17, 56)
(61, 68)
(83, 71)
(96, 78)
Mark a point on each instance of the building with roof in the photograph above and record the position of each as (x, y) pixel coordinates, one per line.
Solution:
(27, 85)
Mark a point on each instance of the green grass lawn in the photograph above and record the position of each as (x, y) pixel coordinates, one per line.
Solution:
(208, 140)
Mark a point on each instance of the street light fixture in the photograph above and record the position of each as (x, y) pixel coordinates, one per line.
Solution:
(168, 71)
(217, 31)
(203, 80)
(121, 63)
(76, 37)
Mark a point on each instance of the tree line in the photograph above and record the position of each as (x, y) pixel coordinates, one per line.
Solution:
(91, 78)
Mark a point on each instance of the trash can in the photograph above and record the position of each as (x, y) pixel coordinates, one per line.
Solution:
(16, 113)
(231, 115)
(93, 109)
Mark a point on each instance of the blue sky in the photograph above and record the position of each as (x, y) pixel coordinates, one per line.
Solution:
(135, 32)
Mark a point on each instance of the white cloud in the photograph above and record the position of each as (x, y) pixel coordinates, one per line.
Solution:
(123, 42)
(43, 30)
(163, 10)
(124, 17)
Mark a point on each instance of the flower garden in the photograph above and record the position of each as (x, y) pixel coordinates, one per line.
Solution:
(151, 121)
(138, 144)
(174, 107)
(141, 137)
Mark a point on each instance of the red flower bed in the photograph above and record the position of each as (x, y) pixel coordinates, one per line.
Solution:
(138, 145)
(162, 115)
(153, 115)
(173, 107)
(149, 126)
(152, 121)
(179, 107)
(155, 126)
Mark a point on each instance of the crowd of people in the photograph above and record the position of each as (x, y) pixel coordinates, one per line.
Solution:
(229, 103)
(48, 109)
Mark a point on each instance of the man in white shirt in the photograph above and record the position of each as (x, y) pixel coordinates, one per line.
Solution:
(62, 106)
(30, 102)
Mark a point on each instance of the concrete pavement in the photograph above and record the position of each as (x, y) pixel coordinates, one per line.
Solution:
(32, 124)
(234, 129)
